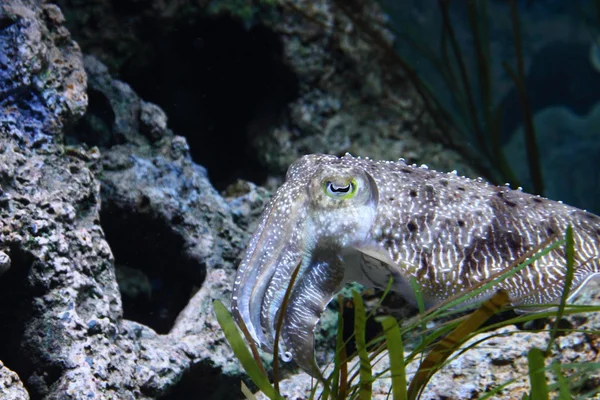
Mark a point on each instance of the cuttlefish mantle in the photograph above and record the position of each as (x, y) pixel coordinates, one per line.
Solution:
(343, 219)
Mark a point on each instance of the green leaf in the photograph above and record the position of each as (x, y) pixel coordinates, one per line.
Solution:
(492, 393)
(340, 371)
(396, 354)
(233, 336)
(284, 305)
(418, 294)
(570, 256)
(420, 305)
(537, 375)
(449, 344)
(563, 385)
(247, 392)
(360, 324)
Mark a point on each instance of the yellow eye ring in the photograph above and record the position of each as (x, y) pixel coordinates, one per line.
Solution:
(340, 192)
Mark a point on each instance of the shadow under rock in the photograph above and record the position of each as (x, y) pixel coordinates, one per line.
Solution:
(220, 83)
(15, 308)
(154, 279)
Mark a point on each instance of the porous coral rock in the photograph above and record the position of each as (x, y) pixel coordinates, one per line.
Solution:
(65, 333)
(11, 386)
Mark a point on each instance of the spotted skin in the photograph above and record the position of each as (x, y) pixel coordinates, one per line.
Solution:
(446, 231)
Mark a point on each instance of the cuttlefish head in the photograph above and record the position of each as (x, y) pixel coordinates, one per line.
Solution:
(325, 208)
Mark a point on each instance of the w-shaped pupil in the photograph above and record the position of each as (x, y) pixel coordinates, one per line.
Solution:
(339, 189)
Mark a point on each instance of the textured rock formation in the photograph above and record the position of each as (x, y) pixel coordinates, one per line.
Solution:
(62, 316)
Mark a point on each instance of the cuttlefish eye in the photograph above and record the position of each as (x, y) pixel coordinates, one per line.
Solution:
(340, 189)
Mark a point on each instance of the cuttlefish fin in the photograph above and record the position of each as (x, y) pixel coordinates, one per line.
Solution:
(377, 268)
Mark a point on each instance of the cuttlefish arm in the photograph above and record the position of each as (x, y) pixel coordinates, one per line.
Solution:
(350, 219)
(321, 281)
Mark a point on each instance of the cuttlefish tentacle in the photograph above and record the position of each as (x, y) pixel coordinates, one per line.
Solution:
(350, 219)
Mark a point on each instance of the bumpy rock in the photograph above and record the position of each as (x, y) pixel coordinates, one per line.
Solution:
(348, 97)
(4, 262)
(66, 335)
(247, 201)
(42, 81)
(150, 176)
(150, 171)
(11, 386)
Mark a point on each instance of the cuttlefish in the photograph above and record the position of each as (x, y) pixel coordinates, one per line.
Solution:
(344, 219)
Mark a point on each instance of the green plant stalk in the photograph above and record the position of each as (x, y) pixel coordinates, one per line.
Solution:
(496, 390)
(247, 392)
(478, 25)
(396, 355)
(533, 156)
(418, 296)
(563, 385)
(377, 350)
(449, 344)
(570, 256)
(584, 369)
(431, 338)
(284, 305)
(250, 365)
(537, 375)
(360, 323)
(340, 368)
(479, 136)
(572, 310)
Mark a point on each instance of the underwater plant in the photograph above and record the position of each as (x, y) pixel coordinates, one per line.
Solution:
(472, 125)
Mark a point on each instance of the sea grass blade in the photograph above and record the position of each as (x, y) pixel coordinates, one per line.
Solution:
(564, 393)
(537, 375)
(343, 356)
(247, 392)
(533, 157)
(360, 324)
(570, 256)
(427, 340)
(446, 346)
(396, 354)
(250, 365)
(338, 359)
(463, 74)
(284, 305)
